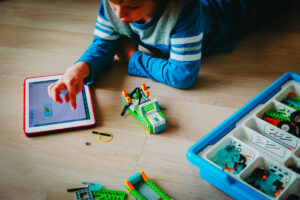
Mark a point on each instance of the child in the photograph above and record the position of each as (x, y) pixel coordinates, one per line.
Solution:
(176, 33)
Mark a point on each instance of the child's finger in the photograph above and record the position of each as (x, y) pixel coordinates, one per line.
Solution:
(79, 87)
(72, 96)
(67, 99)
(50, 90)
(56, 91)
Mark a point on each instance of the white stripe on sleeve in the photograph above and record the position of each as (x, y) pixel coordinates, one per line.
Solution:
(185, 57)
(187, 39)
(105, 27)
(185, 49)
(103, 21)
(105, 35)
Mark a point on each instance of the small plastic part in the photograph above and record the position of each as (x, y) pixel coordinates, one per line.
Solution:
(289, 123)
(264, 177)
(75, 189)
(109, 139)
(84, 194)
(95, 192)
(268, 181)
(101, 133)
(104, 133)
(93, 186)
(109, 195)
(144, 88)
(277, 116)
(128, 185)
(294, 102)
(291, 94)
(144, 176)
(295, 117)
(144, 190)
(230, 159)
(125, 96)
(286, 126)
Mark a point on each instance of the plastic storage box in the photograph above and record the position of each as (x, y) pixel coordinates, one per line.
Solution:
(255, 153)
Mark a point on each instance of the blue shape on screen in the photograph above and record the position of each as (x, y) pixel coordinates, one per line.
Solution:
(48, 110)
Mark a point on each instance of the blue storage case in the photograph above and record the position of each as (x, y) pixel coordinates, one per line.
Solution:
(247, 150)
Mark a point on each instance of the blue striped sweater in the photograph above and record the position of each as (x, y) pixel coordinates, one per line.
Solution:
(175, 31)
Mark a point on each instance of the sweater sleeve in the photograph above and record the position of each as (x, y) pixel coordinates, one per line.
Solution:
(181, 69)
(102, 50)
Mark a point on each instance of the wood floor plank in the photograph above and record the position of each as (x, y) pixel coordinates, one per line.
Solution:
(49, 18)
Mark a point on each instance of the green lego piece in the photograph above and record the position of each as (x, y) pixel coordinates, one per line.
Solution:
(277, 116)
(157, 190)
(145, 110)
(293, 102)
(140, 120)
(296, 98)
(292, 106)
(109, 195)
(162, 115)
(142, 188)
(137, 195)
(149, 107)
(137, 95)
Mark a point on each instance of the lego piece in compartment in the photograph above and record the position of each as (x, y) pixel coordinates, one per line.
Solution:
(289, 123)
(233, 156)
(266, 181)
(271, 179)
(282, 116)
(292, 100)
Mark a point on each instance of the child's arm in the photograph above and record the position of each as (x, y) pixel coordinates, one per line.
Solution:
(103, 48)
(97, 57)
(183, 65)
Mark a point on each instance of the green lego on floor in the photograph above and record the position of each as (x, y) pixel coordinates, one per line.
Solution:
(146, 111)
(109, 195)
(96, 192)
(142, 188)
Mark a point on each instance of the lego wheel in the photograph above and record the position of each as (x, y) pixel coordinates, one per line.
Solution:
(295, 117)
(286, 126)
(297, 131)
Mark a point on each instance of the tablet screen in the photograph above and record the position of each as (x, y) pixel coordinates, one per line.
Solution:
(44, 111)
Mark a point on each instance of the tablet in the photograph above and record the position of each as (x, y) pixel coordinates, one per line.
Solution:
(43, 115)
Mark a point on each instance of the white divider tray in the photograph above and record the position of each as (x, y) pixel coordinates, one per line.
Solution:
(262, 145)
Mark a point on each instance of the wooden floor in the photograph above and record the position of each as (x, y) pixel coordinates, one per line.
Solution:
(43, 37)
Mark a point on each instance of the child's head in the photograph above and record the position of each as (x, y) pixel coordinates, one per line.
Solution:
(131, 11)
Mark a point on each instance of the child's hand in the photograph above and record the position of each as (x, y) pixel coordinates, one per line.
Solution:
(126, 49)
(72, 81)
